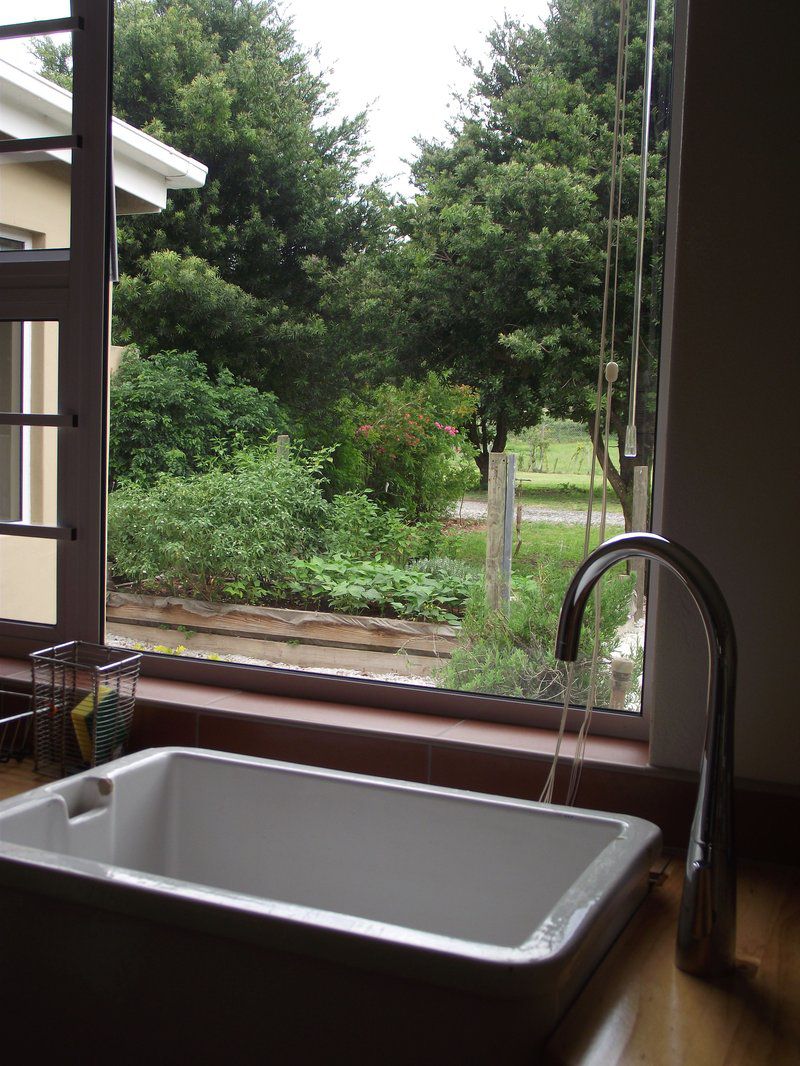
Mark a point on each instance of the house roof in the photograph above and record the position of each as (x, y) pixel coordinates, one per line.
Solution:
(144, 167)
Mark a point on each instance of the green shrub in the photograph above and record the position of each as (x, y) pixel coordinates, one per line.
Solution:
(374, 586)
(168, 416)
(359, 528)
(514, 656)
(416, 453)
(226, 533)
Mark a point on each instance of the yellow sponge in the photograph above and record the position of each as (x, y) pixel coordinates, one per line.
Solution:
(83, 717)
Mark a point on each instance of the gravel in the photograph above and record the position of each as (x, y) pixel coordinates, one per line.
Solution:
(470, 510)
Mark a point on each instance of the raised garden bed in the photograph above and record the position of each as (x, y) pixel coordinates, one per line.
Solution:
(308, 639)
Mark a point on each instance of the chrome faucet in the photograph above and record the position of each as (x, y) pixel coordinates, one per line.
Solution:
(706, 941)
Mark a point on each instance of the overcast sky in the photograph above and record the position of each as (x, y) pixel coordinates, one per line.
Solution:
(402, 59)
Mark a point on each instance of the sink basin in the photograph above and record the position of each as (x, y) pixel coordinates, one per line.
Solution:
(347, 912)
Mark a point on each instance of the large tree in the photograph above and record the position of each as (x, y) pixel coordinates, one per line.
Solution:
(494, 273)
(222, 270)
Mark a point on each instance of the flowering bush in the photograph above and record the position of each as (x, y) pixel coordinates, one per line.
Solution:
(415, 450)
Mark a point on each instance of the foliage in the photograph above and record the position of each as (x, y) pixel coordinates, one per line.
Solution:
(416, 456)
(168, 416)
(227, 83)
(514, 656)
(226, 532)
(375, 586)
(358, 527)
(493, 272)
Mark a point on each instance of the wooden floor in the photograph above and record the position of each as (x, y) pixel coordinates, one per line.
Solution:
(18, 777)
(638, 1009)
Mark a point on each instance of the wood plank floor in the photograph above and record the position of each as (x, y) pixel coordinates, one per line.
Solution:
(638, 1008)
(18, 777)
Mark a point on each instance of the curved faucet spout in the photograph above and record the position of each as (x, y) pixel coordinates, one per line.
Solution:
(707, 923)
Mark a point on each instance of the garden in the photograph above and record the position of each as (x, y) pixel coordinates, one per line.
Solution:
(319, 369)
(223, 513)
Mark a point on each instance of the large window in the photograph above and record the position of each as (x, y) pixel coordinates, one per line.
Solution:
(351, 440)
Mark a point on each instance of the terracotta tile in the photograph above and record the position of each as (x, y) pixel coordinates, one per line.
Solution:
(491, 772)
(155, 727)
(340, 715)
(512, 738)
(316, 747)
(179, 693)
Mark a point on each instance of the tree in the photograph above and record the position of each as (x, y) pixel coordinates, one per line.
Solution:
(226, 82)
(494, 270)
(169, 417)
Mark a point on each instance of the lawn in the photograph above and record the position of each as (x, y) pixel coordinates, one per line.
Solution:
(553, 468)
(543, 544)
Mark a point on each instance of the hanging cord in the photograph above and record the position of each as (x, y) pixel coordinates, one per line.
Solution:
(549, 785)
(618, 240)
(615, 150)
(630, 433)
(611, 375)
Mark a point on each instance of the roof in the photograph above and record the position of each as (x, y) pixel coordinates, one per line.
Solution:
(144, 167)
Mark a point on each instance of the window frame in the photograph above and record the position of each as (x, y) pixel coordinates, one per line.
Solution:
(295, 684)
(25, 242)
(70, 287)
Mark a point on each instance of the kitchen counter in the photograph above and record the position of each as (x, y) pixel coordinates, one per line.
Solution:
(638, 1008)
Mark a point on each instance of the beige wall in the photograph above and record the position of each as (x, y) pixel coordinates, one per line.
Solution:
(34, 202)
(727, 456)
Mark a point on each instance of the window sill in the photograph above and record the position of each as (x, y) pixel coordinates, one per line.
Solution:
(511, 760)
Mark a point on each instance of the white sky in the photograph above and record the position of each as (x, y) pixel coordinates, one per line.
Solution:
(401, 58)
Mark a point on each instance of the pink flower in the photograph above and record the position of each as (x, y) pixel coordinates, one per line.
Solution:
(438, 425)
(364, 429)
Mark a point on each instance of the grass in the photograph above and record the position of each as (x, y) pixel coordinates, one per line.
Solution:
(542, 543)
(562, 455)
(552, 490)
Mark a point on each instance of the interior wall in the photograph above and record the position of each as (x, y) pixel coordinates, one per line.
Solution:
(728, 455)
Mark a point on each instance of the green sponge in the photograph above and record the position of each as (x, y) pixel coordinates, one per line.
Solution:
(83, 722)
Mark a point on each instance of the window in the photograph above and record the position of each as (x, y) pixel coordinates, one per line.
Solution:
(365, 586)
(54, 329)
(429, 580)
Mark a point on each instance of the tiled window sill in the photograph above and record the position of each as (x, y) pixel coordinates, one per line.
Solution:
(481, 756)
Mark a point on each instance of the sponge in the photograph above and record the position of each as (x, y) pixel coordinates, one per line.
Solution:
(83, 719)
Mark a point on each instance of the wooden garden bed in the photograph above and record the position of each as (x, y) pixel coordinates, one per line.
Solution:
(309, 639)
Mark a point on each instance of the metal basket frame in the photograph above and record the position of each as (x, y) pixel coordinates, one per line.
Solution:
(15, 726)
(64, 677)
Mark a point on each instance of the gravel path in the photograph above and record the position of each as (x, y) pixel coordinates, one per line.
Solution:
(473, 510)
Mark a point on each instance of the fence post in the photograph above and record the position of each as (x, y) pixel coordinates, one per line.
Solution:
(639, 522)
(282, 446)
(499, 529)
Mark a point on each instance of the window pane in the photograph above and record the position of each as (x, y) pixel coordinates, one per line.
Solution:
(28, 569)
(35, 199)
(405, 332)
(29, 367)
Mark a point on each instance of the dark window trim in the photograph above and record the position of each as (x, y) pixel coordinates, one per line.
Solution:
(82, 575)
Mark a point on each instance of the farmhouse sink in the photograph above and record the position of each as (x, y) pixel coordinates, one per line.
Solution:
(378, 910)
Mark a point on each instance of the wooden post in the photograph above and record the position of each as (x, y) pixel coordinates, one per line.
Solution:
(621, 671)
(639, 517)
(499, 530)
(282, 446)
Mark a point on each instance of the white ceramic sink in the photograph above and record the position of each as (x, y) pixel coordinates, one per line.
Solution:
(479, 903)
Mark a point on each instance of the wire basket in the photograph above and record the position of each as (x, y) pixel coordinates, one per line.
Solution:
(15, 726)
(83, 698)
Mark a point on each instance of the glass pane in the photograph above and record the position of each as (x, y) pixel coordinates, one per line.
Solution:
(29, 367)
(28, 569)
(29, 457)
(36, 53)
(35, 198)
(414, 333)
